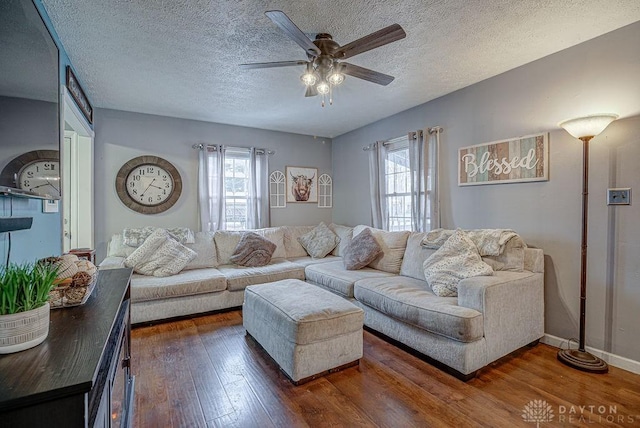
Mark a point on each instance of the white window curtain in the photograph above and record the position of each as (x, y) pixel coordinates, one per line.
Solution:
(211, 188)
(423, 166)
(211, 207)
(258, 200)
(377, 160)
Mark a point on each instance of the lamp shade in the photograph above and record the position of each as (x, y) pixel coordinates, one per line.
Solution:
(588, 126)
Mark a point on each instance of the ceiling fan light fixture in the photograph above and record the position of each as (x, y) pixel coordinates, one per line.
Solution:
(323, 88)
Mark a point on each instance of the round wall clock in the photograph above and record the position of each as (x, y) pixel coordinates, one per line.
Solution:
(148, 184)
(37, 171)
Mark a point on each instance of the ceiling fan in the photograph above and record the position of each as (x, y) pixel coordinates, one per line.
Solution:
(325, 68)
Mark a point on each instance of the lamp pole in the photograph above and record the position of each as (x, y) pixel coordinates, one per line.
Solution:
(583, 253)
(581, 359)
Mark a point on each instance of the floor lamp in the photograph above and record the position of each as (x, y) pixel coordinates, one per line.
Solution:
(585, 128)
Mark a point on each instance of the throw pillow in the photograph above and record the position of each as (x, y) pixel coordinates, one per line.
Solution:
(135, 237)
(253, 250)
(319, 242)
(160, 255)
(457, 259)
(117, 247)
(393, 246)
(361, 251)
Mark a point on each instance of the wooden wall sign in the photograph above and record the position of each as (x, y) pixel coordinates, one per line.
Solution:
(515, 160)
(78, 95)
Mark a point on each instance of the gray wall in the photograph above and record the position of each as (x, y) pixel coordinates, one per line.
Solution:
(121, 136)
(600, 75)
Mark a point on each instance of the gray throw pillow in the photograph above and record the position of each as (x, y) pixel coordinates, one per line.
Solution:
(361, 251)
(253, 250)
(319, 242)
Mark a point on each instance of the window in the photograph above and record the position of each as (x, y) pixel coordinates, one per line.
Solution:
(398, 185)
(236, 189)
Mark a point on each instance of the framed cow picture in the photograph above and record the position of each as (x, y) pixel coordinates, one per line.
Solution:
(302, 184)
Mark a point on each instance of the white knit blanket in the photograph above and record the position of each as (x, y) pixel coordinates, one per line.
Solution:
(490, 242)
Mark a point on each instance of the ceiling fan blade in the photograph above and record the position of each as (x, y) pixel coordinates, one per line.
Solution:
(311, 91)
(382, 37)
(286, 24)
(366, 74)
(271, 64)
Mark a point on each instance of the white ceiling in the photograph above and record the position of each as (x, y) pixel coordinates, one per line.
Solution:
(180, 58)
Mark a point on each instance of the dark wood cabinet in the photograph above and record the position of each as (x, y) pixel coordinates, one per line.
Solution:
(80, 376)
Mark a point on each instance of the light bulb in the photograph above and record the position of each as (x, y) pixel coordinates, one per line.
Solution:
(336, 78)
(322, 88)
(308, 79)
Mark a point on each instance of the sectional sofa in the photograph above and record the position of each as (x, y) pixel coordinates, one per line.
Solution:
(491, 316)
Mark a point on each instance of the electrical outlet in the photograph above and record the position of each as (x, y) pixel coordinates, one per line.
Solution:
(619, 196)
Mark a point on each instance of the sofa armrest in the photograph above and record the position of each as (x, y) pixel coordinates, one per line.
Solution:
(512, 304)
(112, 262)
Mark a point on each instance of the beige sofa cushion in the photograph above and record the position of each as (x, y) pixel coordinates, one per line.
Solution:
(410, 300)
(239, 277)
(117, 248)
(275, 235)
(414, 257)
(186, 283)
(393, 247)
(205, 249)
(334, 277)
(292, 247)
(226, 242)
(345, 234)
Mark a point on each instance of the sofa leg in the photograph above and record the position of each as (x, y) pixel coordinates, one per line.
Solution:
(533, 344)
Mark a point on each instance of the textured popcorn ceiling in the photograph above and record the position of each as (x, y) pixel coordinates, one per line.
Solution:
(180, 57)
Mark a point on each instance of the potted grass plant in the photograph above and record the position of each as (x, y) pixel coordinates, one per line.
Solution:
(24, 306)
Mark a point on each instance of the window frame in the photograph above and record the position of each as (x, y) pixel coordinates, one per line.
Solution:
(236, 198)
(393, 147)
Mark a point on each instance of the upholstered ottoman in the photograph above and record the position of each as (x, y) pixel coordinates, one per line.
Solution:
(308, 331)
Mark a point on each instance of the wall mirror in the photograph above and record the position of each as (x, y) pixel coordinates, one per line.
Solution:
(46, 149)
(29, 102)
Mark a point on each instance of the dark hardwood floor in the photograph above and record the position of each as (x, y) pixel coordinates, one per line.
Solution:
(204, 372)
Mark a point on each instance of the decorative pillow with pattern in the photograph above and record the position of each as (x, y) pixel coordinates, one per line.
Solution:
(361, 251)
(160, 255)
(457, 259)
(135, 237)
(319, 242)
(253, 250)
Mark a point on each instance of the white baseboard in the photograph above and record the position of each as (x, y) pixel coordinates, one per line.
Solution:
(612, 359)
